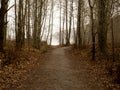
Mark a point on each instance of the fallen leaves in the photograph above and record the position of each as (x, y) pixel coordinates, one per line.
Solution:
(13, 74)
(99, 68)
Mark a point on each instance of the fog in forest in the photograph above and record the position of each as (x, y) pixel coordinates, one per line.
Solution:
(60, 44)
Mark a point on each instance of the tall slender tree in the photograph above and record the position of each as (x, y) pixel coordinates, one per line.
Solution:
(2, 23)
(102, 30)
(19, 31)
(60, 32)
(79, 38)
(67, 37)
(91, 5)
(70, 19)
(35, 23)
(28, 22)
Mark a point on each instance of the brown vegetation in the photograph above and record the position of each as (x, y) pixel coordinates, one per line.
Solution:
(105, 70)
(15, 65)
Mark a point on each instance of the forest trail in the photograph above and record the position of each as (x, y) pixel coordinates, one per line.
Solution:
(58, 71)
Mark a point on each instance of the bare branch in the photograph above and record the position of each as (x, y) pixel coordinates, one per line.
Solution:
(10, 8)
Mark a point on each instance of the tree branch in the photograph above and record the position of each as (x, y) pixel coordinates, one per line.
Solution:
(10, 8)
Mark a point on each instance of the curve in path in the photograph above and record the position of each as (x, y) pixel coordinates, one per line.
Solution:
(58, 72)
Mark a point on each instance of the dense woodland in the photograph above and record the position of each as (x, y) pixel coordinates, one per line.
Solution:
(83, 24)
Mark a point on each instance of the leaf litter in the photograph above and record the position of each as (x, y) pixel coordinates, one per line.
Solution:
(12, 74)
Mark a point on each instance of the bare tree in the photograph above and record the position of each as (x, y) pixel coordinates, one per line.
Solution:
(19, 31)
(79, 38)
(2, 23)
(35, 24)
(63, 27)
(70, 19)
(60, 32)
(66, 8)
(102, 30)
(91, 5)
(28, 21)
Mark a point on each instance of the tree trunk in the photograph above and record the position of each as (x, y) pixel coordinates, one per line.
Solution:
(60, 25)
(102, 30)
(63, 36)
(92, 28)
(70, 22)
(67, 37)
(39, 23)
(35, 24)
(16, 31)
(19, 33)
(5, 26)
(28, 23)
(113, 46)
(79, 39)
(2, 23)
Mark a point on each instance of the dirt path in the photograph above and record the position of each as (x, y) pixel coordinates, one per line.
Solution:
(58, 72)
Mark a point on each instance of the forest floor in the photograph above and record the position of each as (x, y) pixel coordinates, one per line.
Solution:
(58, 69)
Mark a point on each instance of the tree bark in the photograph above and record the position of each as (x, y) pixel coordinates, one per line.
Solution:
(79, 38)
(67, 37)
(2, 23)
(70, 22)
(60, 26)
(19, 32)
(35, 24)
(92, 28)
(102, 30)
